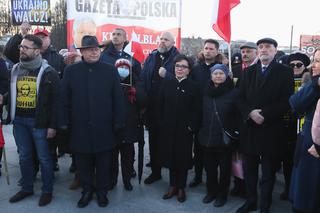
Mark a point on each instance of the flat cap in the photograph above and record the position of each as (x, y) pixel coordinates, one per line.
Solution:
(250, 45)
(267, 40)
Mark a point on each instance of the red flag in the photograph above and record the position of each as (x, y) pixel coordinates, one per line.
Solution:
(134, 48)
(1, 137)
(221, 18)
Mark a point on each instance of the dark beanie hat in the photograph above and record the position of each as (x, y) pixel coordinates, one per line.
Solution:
(301, 57)
(222, 67)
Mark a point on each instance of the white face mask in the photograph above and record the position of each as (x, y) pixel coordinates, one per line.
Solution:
(123, 72)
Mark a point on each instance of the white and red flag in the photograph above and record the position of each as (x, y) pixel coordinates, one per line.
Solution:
(134, 48)
(221, 18)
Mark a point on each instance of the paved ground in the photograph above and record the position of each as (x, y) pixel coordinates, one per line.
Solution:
(143, 198)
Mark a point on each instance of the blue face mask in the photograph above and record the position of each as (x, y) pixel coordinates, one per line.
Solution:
(123, 72)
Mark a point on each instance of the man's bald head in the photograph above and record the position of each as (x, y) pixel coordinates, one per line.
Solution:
(166, 42)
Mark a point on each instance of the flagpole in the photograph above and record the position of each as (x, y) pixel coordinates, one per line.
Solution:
(291, 39)
(229, 56)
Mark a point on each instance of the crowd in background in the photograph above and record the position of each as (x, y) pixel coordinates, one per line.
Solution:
(94, 101)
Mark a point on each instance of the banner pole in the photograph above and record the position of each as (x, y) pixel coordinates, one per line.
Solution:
(291, 39)
(229, 56)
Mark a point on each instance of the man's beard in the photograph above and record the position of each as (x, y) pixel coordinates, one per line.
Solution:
(163, 49)
(26, 58)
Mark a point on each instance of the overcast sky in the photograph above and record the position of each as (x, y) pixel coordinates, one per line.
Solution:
(254, 19)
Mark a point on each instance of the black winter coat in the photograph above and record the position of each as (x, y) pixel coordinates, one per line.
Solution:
(201, 74)
(11, 50)
(271, 94)
(4, 81)
(210, 134)
(179, 117)
(134, 103)
(92, 105)
(54, 59)
(46, 115)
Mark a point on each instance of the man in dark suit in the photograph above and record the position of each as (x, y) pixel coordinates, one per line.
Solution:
(93, 108)
(264, 93)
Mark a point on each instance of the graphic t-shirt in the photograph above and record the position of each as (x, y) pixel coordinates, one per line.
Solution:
(27, 94)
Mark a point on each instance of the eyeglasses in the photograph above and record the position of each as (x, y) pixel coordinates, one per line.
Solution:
(298, 65)
(26, 47)
(181, 66)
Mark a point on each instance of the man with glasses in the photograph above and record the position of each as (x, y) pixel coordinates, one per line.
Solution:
(93, 109)
(33, 104)
(11, 50)
(157, 66)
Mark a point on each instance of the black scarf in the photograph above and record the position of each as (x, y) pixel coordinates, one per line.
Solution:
(221, 89)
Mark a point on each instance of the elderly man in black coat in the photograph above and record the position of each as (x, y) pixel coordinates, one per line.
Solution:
(264, 99)
(93, 108)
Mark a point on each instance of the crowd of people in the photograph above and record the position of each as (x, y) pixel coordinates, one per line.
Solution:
(94, 101)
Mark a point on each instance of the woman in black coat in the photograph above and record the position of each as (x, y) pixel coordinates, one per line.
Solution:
(218, 114)
(179, 117)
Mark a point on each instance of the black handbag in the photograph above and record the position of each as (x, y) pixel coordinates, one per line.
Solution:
(229, 138)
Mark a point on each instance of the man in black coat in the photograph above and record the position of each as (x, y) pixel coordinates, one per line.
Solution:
(54, 59)
(264, 93)
(201, 75)
(93, 106)
(158, 66)
(11, 50)
(111, 55)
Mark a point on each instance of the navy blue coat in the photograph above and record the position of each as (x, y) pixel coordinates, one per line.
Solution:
(305, 181)
(149, 66)
(92, 105)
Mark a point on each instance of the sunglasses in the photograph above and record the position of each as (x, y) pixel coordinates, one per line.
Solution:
(298, 65)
